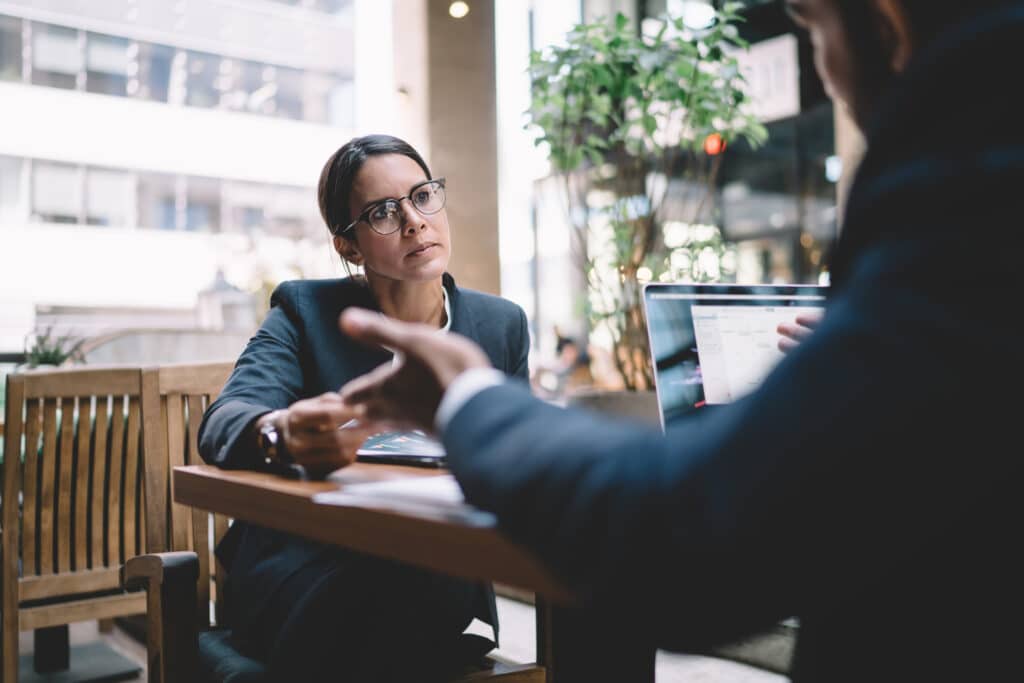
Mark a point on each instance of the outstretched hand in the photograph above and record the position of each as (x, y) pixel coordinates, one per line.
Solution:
(792, 334)
(406, 393)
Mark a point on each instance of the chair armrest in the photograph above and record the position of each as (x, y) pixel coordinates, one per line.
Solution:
(145, 571)
(172, 635)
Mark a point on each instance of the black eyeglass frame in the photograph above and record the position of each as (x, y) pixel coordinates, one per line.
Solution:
(366, 212)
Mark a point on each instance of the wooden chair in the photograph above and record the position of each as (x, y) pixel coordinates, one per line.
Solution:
(182, 584)
(72, 510)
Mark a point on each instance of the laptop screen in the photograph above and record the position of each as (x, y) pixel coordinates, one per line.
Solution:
(714, 343)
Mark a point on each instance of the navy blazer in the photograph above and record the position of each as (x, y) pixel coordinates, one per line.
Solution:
(872, 486)
(300, 352)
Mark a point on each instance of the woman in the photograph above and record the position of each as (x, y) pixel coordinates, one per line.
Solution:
(309, 610)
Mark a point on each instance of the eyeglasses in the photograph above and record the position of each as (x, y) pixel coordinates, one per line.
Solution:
(385, 216)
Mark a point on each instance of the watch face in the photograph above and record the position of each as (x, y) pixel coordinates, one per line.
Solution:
(268, 436)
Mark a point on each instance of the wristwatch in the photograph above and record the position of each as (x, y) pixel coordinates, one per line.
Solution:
(271, 441)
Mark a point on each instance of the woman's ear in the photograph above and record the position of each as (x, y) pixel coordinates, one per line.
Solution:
(896, 32)
(348, 250)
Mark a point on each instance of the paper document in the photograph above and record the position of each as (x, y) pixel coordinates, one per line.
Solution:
(438, 497)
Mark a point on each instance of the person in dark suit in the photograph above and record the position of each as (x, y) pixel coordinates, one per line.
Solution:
(871, 486)
(314, 612)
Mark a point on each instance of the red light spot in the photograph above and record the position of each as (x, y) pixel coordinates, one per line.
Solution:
(714, 144)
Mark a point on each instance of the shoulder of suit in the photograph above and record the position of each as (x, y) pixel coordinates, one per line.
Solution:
(489, 305)
(294, 292)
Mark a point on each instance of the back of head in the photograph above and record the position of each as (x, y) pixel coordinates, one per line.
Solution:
(929, 19)
(879, 31)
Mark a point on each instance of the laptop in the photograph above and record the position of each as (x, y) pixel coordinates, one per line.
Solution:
(712, 344)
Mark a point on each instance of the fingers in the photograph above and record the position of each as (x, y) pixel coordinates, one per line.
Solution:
(320, 414)
(810, 319)
(794, 331)
(786, 345)
(365, 387)
(321, 453)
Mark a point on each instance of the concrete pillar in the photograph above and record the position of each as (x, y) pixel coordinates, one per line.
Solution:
(463, 138)
(412, 78)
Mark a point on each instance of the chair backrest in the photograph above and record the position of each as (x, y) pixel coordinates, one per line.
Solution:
(174, 399)
(72, 459)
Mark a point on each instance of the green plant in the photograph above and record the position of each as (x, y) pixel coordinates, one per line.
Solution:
(47, 349)
(622, 115)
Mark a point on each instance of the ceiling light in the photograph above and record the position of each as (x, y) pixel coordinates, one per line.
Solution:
(458, 9)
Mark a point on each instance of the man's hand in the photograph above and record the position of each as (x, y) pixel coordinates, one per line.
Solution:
(313, 436)
(797, 331)
(406, 393)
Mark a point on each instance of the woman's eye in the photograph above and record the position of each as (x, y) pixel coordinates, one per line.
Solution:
(421, 196)
(385, 210)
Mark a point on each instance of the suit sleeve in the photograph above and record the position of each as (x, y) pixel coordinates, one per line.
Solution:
(794, 495)
(267, 376)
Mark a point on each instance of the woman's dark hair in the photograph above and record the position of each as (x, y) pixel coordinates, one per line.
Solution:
(928, 20)
(341, 169)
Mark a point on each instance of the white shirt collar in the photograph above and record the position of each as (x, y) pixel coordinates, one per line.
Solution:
(447, 310)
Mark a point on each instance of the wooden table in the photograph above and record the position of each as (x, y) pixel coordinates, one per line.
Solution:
(442, 544)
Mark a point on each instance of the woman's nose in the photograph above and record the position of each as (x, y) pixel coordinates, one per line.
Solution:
(411, 218)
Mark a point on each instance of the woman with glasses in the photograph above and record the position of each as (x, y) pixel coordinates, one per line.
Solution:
(313, 612)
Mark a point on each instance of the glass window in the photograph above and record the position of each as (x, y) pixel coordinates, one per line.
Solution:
(10, 189)
(56, 192)
(289, 93)
(202, 206)
(243, 205)
(201, 88)
(155, 71)
(341, 109)
(291, 212)
(56, 56)
(157, 203)
(108, 197)
(315, 92)
(106, 62)
(257, 82)
(10, 49)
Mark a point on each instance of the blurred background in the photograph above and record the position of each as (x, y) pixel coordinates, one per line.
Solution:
(158, 163)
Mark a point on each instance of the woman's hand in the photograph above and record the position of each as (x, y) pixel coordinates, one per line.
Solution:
(313, 434)
(797, 331)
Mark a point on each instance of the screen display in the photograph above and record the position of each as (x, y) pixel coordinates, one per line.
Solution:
(713, 344)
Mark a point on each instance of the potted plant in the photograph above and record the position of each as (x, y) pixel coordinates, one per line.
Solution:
(49, 349)
(628, 120)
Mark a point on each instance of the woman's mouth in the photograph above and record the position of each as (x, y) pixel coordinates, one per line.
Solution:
(421, 250)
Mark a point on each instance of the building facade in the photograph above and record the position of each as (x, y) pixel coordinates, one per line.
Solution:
(148, 147)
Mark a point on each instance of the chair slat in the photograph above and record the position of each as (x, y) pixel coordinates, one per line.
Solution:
(66, 470)
(156, 467)
(201, 536)
(220, 527)
(10, 538)
(195, 417)
(131, 479)
(83, 466)
(47, 484)
(181, 527)
(30, 527)
(99, 481)
(116, 480)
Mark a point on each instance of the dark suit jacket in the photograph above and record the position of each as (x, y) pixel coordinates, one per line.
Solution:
(300, 352)
(872, 486)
